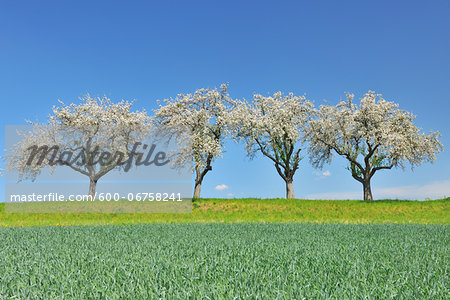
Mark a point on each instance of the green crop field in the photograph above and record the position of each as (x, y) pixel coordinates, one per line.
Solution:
(257, 211)
(215, 261)
(223, 250)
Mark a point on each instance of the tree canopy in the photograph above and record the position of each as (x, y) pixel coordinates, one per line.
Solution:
(274, 126)
(94, 125)
(198, 122)
(376, 135)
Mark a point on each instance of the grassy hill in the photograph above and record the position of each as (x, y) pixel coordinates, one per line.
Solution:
(258, 211)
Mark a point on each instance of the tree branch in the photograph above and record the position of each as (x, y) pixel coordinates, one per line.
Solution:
(65, 163)
(206, 169)
(279, 172)
(348, 157)
(267, 154)
(297, 160)
(382, 168)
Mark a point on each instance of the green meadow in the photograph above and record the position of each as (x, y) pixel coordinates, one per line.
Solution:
(256, 211)
(226, 261)
(232, 249)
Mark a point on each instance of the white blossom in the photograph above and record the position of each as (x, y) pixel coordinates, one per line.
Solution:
(373, 136)
(198, 123)
(274, 126)
(94, 123)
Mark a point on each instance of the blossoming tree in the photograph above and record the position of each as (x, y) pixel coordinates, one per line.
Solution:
(198, 123)
(274, 126)
(92, 138)
(375, 136)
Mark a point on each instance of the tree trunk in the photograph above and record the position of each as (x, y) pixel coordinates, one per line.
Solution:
(92, 187)
(197, 188)
(367, 190)
(200, 174)
(290, 189)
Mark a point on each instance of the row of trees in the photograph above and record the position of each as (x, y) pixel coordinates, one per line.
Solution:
(372, 136)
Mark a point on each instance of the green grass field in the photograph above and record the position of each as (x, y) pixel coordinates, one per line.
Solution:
(258, 210)
(217, 261)
(204, 255)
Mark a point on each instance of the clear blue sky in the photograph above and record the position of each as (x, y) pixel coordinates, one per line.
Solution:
(149, 50)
